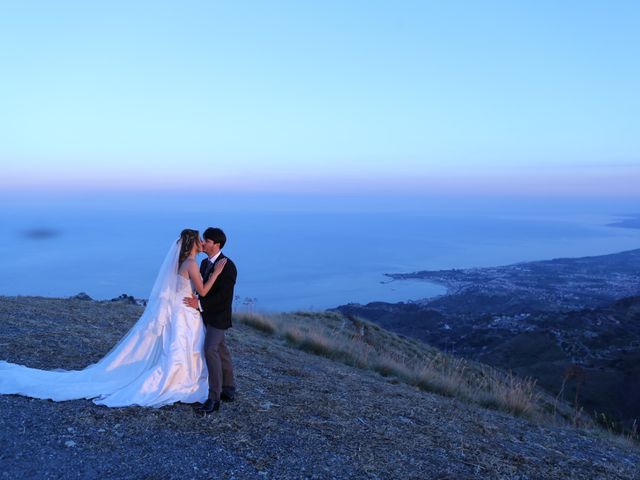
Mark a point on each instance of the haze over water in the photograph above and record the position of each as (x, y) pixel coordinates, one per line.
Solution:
(294, 252)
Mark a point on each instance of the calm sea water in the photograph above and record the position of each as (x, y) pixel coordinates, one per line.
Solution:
(290, 253)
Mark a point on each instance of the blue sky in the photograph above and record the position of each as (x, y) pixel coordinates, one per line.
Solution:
(536, 97)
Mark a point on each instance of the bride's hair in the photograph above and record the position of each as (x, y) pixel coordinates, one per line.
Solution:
(188, 238)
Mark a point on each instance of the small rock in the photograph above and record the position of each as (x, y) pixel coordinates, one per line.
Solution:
(82, 296)
(124, 298)
(70, 443)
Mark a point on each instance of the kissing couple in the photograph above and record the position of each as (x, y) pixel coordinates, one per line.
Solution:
(175, 352)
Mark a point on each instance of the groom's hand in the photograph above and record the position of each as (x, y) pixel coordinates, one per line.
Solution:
(191, 301)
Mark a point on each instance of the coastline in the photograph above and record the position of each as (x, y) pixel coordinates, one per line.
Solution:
(565, 282)
(579, 313)
(310, 273)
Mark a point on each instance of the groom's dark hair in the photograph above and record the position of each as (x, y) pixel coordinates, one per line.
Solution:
(216, 235)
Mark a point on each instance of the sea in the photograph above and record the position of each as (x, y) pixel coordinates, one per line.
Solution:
(293, 252)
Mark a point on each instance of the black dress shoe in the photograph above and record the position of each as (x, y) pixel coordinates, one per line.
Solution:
(228, 395)
(210, 406)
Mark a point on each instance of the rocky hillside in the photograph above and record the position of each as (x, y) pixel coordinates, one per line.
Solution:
(572, 324)
(298, 415)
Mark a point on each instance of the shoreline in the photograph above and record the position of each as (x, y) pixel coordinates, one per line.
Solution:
(451, 281)
(608, 276)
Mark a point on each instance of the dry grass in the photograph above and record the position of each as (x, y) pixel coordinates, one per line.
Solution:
(508, 392)
(259, 322)
(446, 378)
(361, 344)
(612, 429)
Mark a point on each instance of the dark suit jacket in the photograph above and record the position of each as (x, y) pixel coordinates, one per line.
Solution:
(216, 305)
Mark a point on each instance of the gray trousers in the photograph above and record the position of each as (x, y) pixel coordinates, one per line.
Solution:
(218, 361)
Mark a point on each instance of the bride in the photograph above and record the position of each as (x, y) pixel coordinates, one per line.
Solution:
(158, 362)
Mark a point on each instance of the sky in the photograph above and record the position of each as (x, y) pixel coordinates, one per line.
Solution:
(535, 97)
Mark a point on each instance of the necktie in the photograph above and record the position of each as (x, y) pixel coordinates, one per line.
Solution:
(208, 271)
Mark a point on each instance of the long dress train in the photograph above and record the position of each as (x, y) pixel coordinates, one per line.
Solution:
(158, 362)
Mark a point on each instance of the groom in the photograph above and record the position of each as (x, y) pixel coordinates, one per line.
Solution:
(215, 308)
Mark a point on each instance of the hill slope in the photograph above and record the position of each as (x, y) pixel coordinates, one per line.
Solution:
(298, 415)
(547, 320)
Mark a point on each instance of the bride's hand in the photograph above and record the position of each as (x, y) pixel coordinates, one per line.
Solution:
(191, 301)
(219, 266)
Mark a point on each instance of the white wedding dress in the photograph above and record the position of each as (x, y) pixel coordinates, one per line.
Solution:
(158, 362)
